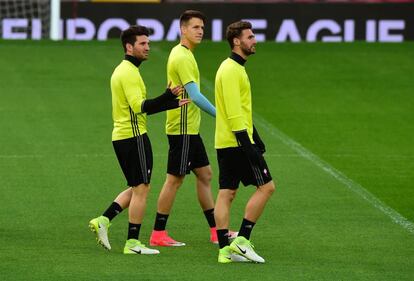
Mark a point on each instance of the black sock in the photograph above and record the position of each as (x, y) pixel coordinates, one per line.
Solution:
(246, 228)
(223, 237)
(133, 230)
(112, 211)
(160, 222)
(210, 217)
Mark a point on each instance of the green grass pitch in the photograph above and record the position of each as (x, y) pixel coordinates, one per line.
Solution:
(347, 116)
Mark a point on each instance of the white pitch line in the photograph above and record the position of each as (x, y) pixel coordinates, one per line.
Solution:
(20, 156)
(338, 175)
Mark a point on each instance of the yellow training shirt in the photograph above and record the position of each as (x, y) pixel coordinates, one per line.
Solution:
(181, 69)
(233, 104)
(128, 93)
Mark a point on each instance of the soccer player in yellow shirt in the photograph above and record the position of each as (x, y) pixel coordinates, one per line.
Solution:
(130, 107)
(187, 152)
(239, 147)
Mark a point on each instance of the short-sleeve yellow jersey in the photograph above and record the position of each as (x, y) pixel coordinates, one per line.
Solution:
(181, 69)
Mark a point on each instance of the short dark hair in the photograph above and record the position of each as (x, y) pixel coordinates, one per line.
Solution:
(130, 34)
(235, 29)
(189, 14)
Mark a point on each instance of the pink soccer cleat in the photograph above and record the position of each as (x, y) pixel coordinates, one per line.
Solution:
(161, 238)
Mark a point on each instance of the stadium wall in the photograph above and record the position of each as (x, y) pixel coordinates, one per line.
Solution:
(272, 22)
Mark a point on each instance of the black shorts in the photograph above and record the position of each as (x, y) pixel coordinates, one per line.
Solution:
(135, 158)
(234, 167)
(186, 153)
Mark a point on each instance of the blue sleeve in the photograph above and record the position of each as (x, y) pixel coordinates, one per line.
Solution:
(198, 98)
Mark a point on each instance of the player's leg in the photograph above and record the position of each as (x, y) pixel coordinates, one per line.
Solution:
(159, 236)
(222, 218)
(138, 171)
(203, 182)
(255, 206)
(201, 168)
(126, 159)
(222, 214)
(229, 179)
(124, 198)
(254, 209)
(136, 214)
(138, 204)
(177, 169)
(260, 177)
(168, 192)
(205, 198)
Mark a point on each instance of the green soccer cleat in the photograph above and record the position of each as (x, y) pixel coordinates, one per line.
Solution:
(134, 246)
(245, 248)
(100, 227)
(227, 255)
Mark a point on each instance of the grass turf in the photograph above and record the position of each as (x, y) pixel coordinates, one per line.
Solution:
(350, 104)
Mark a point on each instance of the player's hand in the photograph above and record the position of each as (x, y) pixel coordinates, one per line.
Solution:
(258, 141)
(182, 102)
(176, 91)
(250, 150)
